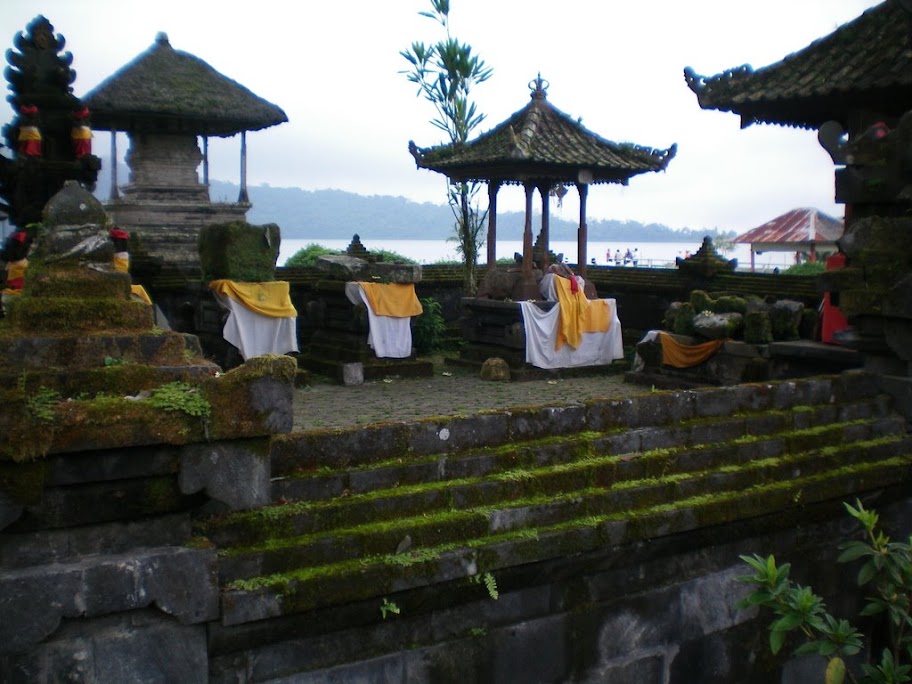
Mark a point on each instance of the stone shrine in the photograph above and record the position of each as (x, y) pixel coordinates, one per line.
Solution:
(165, 204)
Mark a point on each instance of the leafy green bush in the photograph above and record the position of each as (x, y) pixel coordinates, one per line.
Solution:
(41, 404)
(389, 257)
(886, 571)
(807, 268)
(179, 396)
(307, 256)
(428, 328)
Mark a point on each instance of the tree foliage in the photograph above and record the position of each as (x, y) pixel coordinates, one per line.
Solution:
(445, 73)
(886, 572)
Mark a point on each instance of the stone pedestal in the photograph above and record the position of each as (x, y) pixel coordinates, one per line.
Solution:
(342, 328)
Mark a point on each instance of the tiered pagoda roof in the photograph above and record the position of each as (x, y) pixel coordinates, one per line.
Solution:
(165, 89)
(865, 64)
(540, 142)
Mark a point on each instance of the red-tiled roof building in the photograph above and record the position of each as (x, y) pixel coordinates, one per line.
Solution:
(806, 231)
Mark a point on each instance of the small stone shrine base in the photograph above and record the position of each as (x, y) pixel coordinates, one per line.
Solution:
(738, 362)
(494, 329)
(338, 348)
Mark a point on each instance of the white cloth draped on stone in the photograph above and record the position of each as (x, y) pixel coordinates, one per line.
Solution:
(255, 334)
(595, 349)
(389, 336)
(547, 287)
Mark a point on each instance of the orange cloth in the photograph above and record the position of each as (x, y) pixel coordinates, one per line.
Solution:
(686, 355)
(578, 315)
(397, 300)
(269, 299)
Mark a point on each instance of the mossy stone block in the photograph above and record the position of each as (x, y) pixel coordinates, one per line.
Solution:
(757, 327)
(701, 301)
(239, 251)
(76, 281)
(684, 320)
(730, 304)
(75, 315)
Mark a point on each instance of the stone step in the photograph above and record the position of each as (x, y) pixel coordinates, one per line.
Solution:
(307, 485)
(335, 449)
(523, 497)
(69, 351)
(363, 578)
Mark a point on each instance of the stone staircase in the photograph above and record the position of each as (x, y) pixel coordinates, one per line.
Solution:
(430, 515)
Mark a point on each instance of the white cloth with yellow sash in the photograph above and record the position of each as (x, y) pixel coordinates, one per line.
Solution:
(390, 307)
(559, 338)
(261, 318)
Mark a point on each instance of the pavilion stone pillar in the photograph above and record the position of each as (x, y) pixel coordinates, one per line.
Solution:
(115, 193)
(493, 188)
(242, 195)
(529, 285)
(545, 234)
(582, 235)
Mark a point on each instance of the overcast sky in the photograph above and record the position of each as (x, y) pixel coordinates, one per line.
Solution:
(618, 64)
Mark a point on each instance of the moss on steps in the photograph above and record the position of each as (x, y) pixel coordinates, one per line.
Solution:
(590, 459)
(361, 578)
(540, 501)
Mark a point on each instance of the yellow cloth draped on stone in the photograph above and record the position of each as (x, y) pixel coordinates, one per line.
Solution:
(122, 265)
(397, 300)
(140, 292)
(15, 276)
(686, 355)
(29, 133)
(268, 298)
(578, 315)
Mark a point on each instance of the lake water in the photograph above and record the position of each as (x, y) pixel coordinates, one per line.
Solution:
(650, 254)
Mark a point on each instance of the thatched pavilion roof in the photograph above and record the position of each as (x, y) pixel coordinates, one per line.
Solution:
(541, 143)
(865, 64)
(164, 89)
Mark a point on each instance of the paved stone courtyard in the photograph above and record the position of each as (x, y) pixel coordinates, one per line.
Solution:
(452, 390)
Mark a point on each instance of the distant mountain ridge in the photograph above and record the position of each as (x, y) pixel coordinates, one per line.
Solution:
(337, 215)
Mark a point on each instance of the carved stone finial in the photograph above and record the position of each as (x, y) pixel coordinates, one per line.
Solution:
(539, 88)
(357, 249)
(706, 261)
